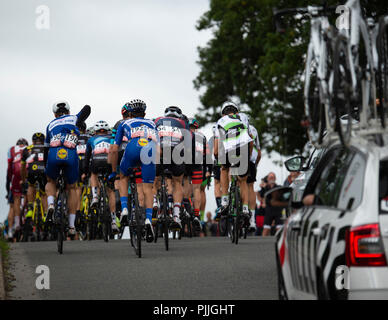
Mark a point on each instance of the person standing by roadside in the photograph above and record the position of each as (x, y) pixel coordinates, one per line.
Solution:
(272, 214)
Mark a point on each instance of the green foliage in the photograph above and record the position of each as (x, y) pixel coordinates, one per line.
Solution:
(248, 61)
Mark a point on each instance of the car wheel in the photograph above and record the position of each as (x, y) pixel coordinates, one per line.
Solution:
(321, 289)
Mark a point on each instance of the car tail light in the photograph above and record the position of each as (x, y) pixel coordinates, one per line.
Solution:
(364, 247)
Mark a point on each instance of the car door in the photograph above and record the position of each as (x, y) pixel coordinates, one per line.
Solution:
(315, 227)
(338, 192)
(297, 224)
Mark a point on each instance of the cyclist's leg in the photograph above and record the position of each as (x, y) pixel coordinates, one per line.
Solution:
(129, 161)
(224, 182)
(94, 184)
(177, 179)
(203, 204)
(197, 179)
(217, 185)
(52, 172)
(72, 173)
(30, 194)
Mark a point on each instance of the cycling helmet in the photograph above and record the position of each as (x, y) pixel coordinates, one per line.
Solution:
(101, 125)
(126, 108)
(38, 136)
(174, 112)
(22, 142)
(90, 131)
(228, 105)
(61, 106)
(184, 118)
(194, 123)
(138, 105)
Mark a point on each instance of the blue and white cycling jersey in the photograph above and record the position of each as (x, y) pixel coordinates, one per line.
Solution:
(62, 139)
(63, 131)
(137, 128)
(140, 151)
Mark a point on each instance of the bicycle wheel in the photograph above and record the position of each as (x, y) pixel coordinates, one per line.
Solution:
(60, 226)
(165, 223)
(382, 72)
(314, 109)
(342, 92)
(237, 212)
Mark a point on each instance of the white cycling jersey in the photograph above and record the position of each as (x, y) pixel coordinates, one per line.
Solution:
(232, 132)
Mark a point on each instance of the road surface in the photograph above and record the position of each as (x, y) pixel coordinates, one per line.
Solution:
(193, 269)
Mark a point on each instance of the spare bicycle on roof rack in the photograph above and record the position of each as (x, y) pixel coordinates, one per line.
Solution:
(346, 72)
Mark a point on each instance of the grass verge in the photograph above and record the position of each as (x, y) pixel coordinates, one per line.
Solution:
(8, 277)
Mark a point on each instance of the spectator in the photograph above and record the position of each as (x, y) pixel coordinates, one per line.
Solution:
(272, 213)
(260, 210)
(210, 226)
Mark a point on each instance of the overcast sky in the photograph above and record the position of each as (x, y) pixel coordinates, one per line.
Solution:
(101, 53)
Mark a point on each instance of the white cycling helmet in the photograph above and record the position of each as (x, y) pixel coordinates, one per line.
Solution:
(228, 104)
(101, 125)
(61, 106)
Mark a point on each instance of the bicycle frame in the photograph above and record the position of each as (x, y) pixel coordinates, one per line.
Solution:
(317, 54)
(358, 27)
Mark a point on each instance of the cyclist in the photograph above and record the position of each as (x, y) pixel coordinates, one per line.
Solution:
(196, 169)
(126, 113)
(15, 182)
(97, 151)
(83, 171)
(174, 138)
(252, 167)
(140, 151)
(33, 171)
(61, 143)
(233, 147)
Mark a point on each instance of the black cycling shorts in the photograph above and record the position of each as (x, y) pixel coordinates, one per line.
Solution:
(233, 160)
(99, 166)
(173, 170)
(217, 172)
(38, 175)
(252, 171)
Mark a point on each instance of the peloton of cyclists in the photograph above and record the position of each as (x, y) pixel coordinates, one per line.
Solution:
(185, 159)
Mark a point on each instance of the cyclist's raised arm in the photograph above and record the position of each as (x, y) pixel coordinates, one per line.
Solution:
(88, 155)
(83, 114)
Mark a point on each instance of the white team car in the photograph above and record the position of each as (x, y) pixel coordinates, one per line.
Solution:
(337, 247)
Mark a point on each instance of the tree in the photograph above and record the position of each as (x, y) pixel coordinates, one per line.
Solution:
(248, 62)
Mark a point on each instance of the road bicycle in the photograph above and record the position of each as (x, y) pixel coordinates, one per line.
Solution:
(354, 68)
(103, 212)
(317, 74)
(136, 219)
(36, 223)
(164, 213)
(60, 213)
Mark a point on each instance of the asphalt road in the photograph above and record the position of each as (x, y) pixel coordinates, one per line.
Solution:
(193, 269)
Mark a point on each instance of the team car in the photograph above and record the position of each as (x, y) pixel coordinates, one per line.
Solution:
(335, 244)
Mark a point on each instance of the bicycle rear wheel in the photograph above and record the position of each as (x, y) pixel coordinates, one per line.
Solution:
(342, 92)
(314, 110)
(60, 225)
